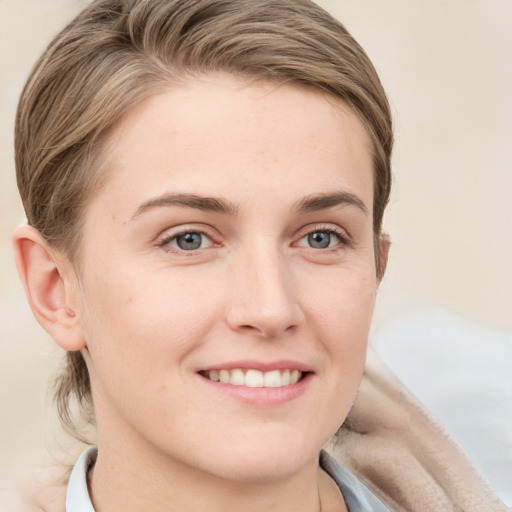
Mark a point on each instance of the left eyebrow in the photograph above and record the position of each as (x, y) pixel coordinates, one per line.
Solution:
(318, 202)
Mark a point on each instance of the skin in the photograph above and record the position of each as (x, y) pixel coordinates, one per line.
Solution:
(150, 316)
(430, 472)
(293, 299)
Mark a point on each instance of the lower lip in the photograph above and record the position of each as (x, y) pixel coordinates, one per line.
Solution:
(261, 396)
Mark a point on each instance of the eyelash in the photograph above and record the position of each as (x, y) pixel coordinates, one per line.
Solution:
(165, 241)
(341, 235)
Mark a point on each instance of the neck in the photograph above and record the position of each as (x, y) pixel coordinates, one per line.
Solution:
(122, 480)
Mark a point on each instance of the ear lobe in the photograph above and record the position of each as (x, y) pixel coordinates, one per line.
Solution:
(44, 279)
(383, 248)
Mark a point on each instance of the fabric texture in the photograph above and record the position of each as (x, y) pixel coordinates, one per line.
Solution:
(357, 496)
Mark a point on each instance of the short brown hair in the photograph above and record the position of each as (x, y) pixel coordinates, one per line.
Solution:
(117, 52)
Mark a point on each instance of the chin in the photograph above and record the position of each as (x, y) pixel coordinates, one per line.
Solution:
(260, 459)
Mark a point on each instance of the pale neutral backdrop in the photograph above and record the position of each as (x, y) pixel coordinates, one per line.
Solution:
(447, 66)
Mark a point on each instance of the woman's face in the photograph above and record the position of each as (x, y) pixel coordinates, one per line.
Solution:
(233, 240)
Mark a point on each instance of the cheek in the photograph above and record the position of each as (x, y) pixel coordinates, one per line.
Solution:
(352, 302)
(140, 333)
(147, 321)
(339, 303)
(340, 309)
(341, 299)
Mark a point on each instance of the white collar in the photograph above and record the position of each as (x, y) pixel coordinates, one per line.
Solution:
(77, 495)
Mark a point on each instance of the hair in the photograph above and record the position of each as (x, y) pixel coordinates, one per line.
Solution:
(118, 52)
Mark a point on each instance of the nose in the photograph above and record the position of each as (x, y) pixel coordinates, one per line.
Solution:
(263, 296)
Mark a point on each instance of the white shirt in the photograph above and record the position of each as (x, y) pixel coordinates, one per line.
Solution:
(77, 496)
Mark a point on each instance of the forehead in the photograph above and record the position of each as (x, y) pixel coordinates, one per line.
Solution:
(220, 131)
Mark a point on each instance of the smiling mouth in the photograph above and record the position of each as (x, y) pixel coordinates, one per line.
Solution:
(255, 378)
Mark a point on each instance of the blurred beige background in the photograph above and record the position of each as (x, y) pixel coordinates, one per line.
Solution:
(447, 67)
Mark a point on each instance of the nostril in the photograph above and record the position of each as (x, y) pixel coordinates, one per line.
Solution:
(267, 333)
(256, 330)
(250, 328)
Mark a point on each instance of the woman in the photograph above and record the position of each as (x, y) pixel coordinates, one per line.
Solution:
(205, 184)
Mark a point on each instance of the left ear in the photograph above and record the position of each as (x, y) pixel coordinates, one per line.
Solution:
(46, 276)
(383, 248)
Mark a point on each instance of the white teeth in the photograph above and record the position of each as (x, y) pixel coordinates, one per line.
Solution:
(224, 376)
(255, 378)
(273, 379)
(237, 378)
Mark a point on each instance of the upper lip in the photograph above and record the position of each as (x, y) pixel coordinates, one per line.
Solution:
(262, 366)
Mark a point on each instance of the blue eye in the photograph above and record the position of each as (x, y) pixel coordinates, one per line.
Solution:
(189, 241)
(321, 239)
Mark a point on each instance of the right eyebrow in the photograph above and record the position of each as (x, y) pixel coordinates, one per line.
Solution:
(203, 203)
